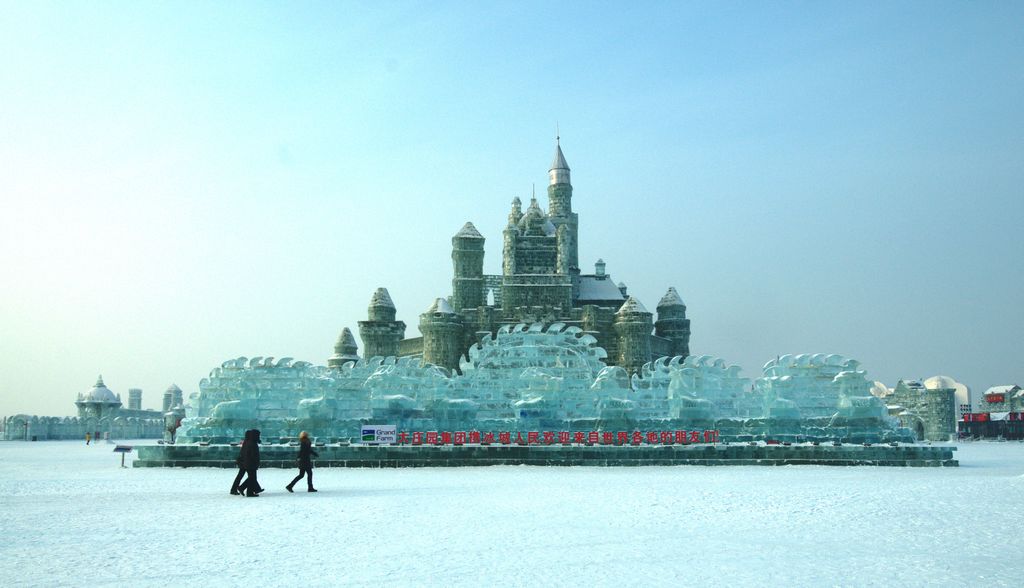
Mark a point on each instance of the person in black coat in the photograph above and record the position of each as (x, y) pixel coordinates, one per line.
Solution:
(238, 461)
(250, 458)
(306, 455)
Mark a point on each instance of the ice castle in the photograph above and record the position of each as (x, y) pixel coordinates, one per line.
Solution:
(541, 280)
(540, 348)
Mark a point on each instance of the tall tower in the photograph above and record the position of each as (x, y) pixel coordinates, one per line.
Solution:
(939, 410)
(633, 328)
(563, 258)
(672, 323)
(442, 335)
(468, 259)
(560, 203)
(511, 232)
(168, 398)
(134, 398)
(381, 333)
(345, 350)
(177, 396)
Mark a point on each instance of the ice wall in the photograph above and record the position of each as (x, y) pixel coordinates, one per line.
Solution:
(535, 378)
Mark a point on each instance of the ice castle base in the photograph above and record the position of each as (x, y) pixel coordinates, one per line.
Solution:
(391, 456)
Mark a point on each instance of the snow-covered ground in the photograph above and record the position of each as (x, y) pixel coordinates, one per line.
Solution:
(70, 516)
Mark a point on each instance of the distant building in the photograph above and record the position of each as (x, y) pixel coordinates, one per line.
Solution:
(961, 394)
(100, 413)
(99, 402)
(1002, 399)
(1000, 415)
(929, 409)
(135, 398)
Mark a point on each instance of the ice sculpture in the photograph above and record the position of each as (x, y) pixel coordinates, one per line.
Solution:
(541, 376)
(823, 396)
(538, 377)
(812, 381)
(247, 393)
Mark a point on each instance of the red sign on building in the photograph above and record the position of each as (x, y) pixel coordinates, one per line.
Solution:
(563, 437)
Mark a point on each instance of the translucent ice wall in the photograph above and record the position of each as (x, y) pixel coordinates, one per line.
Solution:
(535, 373)
(277, 397)
(536, 378)
(807, 385)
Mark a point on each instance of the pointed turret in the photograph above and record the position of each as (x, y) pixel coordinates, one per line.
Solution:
(632, 306)
(516, 213)
(670, 299)
(560, 203)
(381, 333)
(559, 172)
(440, 307)
(672, 323)
(345, 350)
(441, 327)
(468, 263)
(468, 231)
(633, 327)
(381, 306)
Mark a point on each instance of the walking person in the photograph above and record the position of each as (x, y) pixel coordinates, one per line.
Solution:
(250, 455)
(238, 462)
(306, 455)
(88, 438)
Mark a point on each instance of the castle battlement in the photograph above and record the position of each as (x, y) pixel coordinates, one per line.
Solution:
(540, 281)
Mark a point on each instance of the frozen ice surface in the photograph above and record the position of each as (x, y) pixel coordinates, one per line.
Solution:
(72, 517)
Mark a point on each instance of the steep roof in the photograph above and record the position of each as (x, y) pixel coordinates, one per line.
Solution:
(346, 344)
(345, 348)
(559, 161)
(382, 298)
(468, 231)
(593, 288)
(671, 298)
(632, 305)
(346, 337)
(440, 305)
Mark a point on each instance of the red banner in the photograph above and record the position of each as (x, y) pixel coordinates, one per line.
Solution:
(682, 437)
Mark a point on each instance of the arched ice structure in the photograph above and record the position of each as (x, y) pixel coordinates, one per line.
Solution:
(534, 377)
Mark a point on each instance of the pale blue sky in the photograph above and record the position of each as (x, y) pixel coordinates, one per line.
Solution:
(183, 183)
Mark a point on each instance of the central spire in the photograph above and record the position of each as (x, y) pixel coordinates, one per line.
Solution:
(559, 172)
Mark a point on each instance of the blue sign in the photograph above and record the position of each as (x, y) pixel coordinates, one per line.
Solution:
(379, 434)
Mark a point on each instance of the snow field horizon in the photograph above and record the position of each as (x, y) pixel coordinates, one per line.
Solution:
(73, 517)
